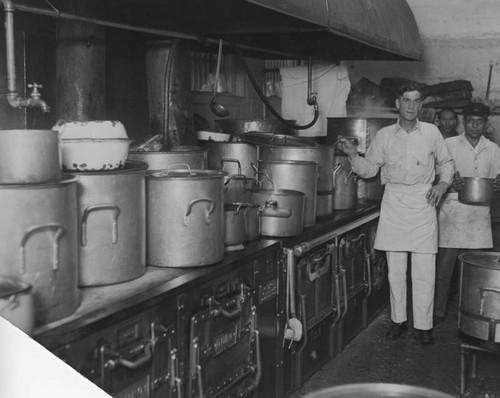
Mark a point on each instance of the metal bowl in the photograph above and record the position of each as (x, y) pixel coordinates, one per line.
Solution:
(477, 191)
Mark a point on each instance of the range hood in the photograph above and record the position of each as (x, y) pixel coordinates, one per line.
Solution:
(330, 30)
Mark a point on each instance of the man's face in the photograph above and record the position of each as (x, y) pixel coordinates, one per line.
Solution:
(475, 126)
(447, 121)
(409, 105)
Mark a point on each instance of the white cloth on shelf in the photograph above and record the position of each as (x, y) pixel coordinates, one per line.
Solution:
(332, 85)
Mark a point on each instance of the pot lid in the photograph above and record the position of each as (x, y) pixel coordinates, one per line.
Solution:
(10, 286)
(269, 139)
(481, 259)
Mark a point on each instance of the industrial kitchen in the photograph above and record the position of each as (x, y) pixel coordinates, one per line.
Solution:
(250, 198)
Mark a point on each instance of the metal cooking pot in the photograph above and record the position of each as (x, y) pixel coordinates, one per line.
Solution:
(112, 213)
(346, 187)
(29, 156)
(16, 303)
(282, 211)
(239, 126)
(184, 218)
(295, 175)
(194, 156)
(377, 390)
(236, 188)
(270, 139)
(479, 302)
(477, 191)
(221, 155)
(39, 242)
(251, 214)
(234, 220)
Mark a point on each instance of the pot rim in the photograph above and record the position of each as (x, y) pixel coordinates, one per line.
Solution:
(293, 162)
(87, 140)
(184, 150)
(277, 192)
(10, 285)
(131, 166)
(64, 179)
(181, 174)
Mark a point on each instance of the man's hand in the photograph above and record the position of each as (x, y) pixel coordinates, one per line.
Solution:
(435, 194)
(458, 182)
(347, 146)
(496, 183)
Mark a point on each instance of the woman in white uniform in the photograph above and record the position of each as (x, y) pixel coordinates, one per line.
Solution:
(406, 154)
(463, 226)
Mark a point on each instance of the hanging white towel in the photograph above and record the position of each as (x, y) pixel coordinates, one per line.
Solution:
(329, 81)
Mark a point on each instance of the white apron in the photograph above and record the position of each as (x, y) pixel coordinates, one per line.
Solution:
(407, 222)
(464, 226)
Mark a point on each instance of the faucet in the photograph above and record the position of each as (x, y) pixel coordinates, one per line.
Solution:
(35, 100)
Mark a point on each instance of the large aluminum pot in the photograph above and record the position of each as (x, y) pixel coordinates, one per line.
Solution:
(364, 129)
(16, 303)
(29, 156)
(477, 191)
(233, 157)
(112, 212)
(239, 126)
(324, 155)
(234, 220)
(376, 390)
(271, 139)
(39, 243)
(282, 211)
(295, 175)
(184, 218)
(346, 187)
(479, 302)
(194, 156)
(236, 188)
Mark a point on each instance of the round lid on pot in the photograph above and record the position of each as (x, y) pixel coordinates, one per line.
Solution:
(185, 174)
(10, 286)
(270, 139)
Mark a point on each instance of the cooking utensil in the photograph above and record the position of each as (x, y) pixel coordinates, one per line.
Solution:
(29, 156)
(194, 156)
(16, 303)
(240, 126)
(489, 82)
(223, 151)
(216, 108)
(112, 213)
(344, 180)
(91, 129)
(89, 154)
(477, 191)
(270, 139)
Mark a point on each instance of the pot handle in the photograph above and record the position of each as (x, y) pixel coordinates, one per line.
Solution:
(57, 229)
(208, 210)
(227, 160)
(8, 303)
(234, 176)
(90, 209)
(335, 169)
(482, 292)
(257, 173)
(270, 209)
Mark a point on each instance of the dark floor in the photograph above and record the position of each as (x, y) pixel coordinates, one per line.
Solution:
(371, 358)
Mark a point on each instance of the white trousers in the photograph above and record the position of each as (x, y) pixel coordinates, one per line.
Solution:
(423, 274)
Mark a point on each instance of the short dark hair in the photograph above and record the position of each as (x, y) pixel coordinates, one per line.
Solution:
(447, 110)
(406, 87)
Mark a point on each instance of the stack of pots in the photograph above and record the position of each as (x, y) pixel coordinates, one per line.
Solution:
(39, 228)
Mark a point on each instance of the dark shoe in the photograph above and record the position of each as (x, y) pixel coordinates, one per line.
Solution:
(424, 337)
(396, 330)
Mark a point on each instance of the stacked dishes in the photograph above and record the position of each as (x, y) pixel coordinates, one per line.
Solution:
(112, 201)
(38, 233)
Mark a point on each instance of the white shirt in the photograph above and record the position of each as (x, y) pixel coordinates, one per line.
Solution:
(407, 158)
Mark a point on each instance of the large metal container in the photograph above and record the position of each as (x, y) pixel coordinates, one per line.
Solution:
(29, 156)
(194, 156)
(295, 175)
(16, 303)
(346, 187)
(233, 157)
(39, 243)
(184, 218)
(112, 213)
(479, 300)
(324, 155)
(364, 129)
(377, 390)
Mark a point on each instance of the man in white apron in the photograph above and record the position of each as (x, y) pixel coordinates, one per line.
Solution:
(406, 154)
(463, 226)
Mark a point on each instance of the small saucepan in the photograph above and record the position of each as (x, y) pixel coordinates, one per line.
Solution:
(477, 191)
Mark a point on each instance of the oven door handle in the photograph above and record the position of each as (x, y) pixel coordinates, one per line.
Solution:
(313, 271)
(368, 263)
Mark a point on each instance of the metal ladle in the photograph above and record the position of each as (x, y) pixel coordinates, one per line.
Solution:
(216, 108)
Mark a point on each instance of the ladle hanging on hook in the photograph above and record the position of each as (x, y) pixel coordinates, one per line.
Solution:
(216, 108)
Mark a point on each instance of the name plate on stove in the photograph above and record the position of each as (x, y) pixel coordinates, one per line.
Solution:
(225, 339)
